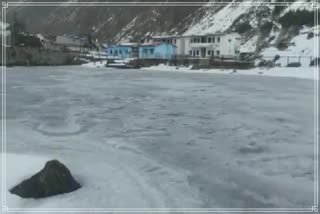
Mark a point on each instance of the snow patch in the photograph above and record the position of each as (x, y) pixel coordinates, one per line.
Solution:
(302, 73)
(222, 20)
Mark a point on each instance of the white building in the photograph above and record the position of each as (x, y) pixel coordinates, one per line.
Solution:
(215, 45)
(204, 46)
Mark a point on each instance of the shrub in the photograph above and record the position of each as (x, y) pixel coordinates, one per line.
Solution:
(282, 45)
(310, 35)
(297, 18)
(243, 27)
(271, 38)
(28, 40)
(265, 63)
(266, 27)
(276, 58)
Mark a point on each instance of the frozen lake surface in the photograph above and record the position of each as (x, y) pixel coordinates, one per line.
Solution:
(147, 139)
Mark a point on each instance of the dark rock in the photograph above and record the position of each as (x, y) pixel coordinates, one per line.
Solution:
(266, 63)
(315, 62)
(310, 35)
(55, 178)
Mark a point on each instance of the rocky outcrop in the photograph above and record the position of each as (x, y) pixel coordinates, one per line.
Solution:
(55, 178)
(37, 56)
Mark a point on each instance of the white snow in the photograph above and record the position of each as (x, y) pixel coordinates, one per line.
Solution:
(99, 64)
(300, 47)
(250, 45)
(302, 72)
(300, 5)
(218, 22)
(151, 139)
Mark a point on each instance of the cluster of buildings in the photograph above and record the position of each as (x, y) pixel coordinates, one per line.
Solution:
(67, 42)
(165, 47)
(216, 45)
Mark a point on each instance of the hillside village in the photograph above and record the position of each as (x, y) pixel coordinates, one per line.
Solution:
(207, 49)
(286, 41)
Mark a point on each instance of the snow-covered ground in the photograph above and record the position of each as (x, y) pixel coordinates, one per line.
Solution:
(302, 72)
(98, 64)
(301, 48)
(150, 139)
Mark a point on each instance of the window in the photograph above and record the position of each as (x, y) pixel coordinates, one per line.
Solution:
(237, 52)
(229, 40)
(174, 41)
(152, 51)
(129, 53)
(198, 52)
(120, 52)
(194, 53)
(191, 40)
(218, 39)
(203, 39)
(209, 40)
(190, 53)
(218, 52)
(110, 51)
(212, 39)
(209, 53)
(116, 52)
(199, 40)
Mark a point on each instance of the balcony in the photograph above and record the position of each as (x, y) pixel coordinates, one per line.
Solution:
(204, 45)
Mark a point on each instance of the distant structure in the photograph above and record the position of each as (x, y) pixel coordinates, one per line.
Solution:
(157, 51)
(48, 42)
(181, 43)
(123, 51)
(215, 45)
(141, 51)
(74, 42)
(203, 46)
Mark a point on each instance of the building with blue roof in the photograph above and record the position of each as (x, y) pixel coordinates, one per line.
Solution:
(143, 51)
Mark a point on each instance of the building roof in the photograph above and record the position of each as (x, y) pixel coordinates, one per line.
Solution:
(191, 35)
(123, 45)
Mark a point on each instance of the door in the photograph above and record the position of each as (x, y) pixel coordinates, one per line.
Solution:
(203, 52)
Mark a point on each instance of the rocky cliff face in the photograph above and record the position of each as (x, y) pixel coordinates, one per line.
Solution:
(258, 21)
(105, 22)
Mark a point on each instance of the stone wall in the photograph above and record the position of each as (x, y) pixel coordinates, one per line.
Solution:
(37, 56)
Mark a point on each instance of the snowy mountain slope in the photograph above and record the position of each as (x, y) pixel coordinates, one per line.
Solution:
(301, 48)
(261, 23)
(221, 21)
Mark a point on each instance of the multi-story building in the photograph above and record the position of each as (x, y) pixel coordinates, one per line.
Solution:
(215, 45)
(204, 46)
